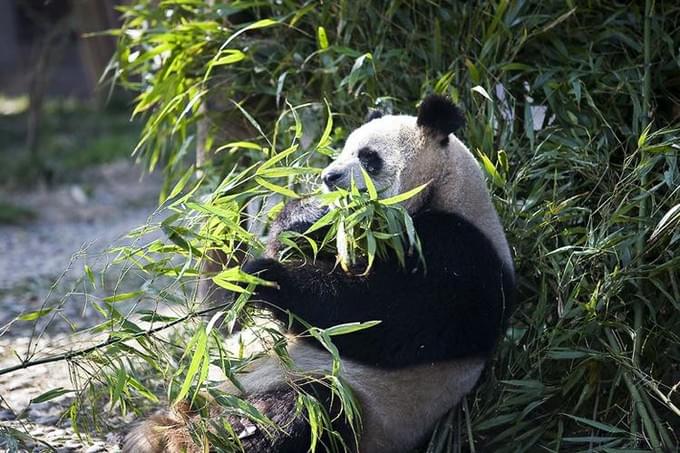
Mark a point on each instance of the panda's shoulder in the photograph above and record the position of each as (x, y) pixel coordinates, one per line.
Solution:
(453, 246)
(445, 224)
(449, 238)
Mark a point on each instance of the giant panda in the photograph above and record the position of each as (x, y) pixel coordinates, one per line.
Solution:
(439, 322)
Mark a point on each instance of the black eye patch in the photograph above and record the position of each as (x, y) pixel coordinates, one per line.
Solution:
(370, 160)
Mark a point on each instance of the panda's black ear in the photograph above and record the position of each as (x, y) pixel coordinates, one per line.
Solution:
(373, 114)
(440, 115)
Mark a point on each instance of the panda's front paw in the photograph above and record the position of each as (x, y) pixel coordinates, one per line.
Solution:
(266, 269)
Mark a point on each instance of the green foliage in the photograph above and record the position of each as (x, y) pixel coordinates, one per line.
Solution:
(588, 193)
(588, 358)
(362, 226)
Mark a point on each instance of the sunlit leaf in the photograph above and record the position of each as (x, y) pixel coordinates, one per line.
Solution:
(50, 395)
(37, 314)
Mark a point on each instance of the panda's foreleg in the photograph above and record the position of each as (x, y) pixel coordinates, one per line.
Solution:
(316, 292)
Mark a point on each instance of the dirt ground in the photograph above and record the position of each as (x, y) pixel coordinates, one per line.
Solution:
(40, 261)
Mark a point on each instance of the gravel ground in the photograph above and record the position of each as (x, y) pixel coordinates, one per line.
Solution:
(83, 220)
(109, 202)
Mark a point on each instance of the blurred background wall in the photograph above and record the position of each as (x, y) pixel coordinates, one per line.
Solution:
(58, 117)
(45, 40)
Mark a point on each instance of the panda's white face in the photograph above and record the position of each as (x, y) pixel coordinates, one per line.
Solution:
(384, 148)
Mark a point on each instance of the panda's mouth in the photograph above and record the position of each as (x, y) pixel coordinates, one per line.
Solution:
(347, 178)
(340, 178)
(340, 186)
(333, 179)
(345, 183)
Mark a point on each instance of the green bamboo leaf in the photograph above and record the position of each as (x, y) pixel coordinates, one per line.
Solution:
(325, 139)
(314, 418)
(228, 217)
(668, 222)
(597, 425)
(50, 395)
(362, 69)
(286, 172)
(370, 187)
(322, 38)
(299, 132)
(234, 288)
(200, 340)
(117, 383)
(402, 196)
(90, 275)
(228, 56)
(123, 296)
(33, 315)
(181, 183)
(325, 220)
(263, 23)
(235, 274)
(239, 145)
(371, 248)
(350, 327)
(503, 161)
(277, 158)
(253, 122)
(154, 316)
(243, 407)
(497, 179)
(642, 139)
(588, 440)
(276, 188)
(175, 235)
(141, 389)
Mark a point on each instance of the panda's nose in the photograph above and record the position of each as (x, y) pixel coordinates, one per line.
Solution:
(331, 177)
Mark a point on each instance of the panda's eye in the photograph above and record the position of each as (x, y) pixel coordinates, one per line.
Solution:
(370, 160)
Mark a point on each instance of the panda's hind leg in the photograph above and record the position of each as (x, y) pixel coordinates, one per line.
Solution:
(294, 436)
(166, 431)
(169, 431)
(292, 433)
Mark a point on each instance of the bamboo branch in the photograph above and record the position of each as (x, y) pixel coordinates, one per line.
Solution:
(111, 341)
(638, 405)
(643, 212)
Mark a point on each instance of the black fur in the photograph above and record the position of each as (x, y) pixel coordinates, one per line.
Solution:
(440, 115)
(370, 160)
(455, 309)
(280, 407)
(373, 114)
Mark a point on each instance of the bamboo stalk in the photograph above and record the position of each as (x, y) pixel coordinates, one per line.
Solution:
(663, 433)
(638, 405)
(643, 212)
(468, 426)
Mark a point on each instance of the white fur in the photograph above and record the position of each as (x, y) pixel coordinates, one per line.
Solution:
(399, 407)
(412, 156)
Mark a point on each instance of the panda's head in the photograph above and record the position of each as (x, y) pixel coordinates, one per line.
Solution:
(398, 152)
